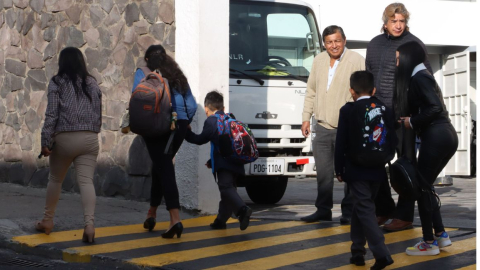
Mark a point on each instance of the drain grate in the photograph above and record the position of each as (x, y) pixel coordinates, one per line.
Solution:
(23, 263)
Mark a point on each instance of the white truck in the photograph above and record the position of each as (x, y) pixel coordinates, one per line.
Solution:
(272, 46)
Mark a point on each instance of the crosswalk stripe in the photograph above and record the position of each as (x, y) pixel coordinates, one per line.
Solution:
(65, 236)
(195, 254)
(402, 259)
(310, 254)
(188, 237)
(470, 267)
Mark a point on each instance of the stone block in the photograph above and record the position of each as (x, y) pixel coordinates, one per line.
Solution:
(107, 140)
(74, 13)
(97, 75)
(9, 135)
(111, 76)
(10, 18)
(135, 51)
(104, 163)
(28, 23)
(63, 20)
(149, 11)
(5, 40)
(144, 42)
(29, 165)
(75, 37)
(15, 67)
(113, 17)
(111, 123)
(116, 32)
(128, 64)
(2, 18)
(139, 162)
(122, 5)
(47, 19)
(13, 121)
(70, 180)
(37, 5)
(92, 36)
(40, 178)
(116, 108)
(132, 14)
(38, 42)
(20, 20)
(15, 38)
(116, 183)
(136, 191)
(4, 171)
(105, 37)
(50, 50)
(16, 174)
(35, 99)
(21, 3)
(107, 5)
(96, 15)
(3, 115)
(157, 30)
(119, 55)
(141, 27)
(51, 66)
(120, 151)
(16, 53)
(166, 12)
(129, 36)
(85, 23)
(11, 102)
(11, 83)
(97, 59)
(32, 120)
(7, 4)
(26, 142)
(12, 153)
(36, 80)
(58, 5)
(49, 33)
(34, 59)
(170, 40)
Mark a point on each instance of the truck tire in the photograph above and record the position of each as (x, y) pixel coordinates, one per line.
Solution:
(267, 192)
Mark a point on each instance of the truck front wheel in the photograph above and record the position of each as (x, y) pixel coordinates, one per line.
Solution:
(267, 191)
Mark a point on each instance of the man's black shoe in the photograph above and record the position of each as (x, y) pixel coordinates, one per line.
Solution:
(345, 221)
(244, 217)
(218, 225)
(358, 260)
(382, 263)
(317, 216)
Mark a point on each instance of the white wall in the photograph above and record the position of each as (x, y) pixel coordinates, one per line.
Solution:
(202, 53)
(434, 22)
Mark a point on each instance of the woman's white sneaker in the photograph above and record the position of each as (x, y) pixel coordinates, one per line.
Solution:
(423, 248)
(443, 240)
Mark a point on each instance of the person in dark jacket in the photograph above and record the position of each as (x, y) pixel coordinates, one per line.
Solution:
(163, 171)
(364, 182)
(419, 102)
(380, 61)
(224, 171)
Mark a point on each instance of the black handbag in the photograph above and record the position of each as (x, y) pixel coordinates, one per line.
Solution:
(403, 174)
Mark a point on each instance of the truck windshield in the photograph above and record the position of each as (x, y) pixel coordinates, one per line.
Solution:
(269, 39)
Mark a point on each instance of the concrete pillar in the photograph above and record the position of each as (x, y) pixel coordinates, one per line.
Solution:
(202, 53)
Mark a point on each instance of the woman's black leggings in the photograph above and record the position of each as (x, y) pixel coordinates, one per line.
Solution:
(439, 144)
(164, 183)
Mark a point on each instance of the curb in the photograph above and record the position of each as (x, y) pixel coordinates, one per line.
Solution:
(58, 254)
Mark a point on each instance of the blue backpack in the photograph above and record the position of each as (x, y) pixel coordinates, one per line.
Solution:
(236, 141)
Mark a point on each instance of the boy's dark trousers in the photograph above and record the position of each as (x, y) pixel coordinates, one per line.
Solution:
(364, 222)
(230, 201)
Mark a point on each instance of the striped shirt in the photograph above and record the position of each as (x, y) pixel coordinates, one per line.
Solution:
(70, 110)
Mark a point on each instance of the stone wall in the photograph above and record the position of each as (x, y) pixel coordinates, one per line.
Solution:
(113, 35)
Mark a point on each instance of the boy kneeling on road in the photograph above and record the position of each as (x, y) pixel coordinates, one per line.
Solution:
(363, 179)
(226, 172)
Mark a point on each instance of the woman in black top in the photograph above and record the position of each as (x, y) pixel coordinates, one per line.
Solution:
(419, 102)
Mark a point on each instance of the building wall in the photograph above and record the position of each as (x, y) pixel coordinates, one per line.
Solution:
(113, 35)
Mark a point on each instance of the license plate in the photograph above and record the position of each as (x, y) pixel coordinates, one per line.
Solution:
(267, 166)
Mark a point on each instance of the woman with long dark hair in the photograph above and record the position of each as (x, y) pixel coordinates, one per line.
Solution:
(70, 134)
(419, 103)
(163, 171)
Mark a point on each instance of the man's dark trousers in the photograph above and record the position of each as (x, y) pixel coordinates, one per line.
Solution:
(323, 151)
(364, 223)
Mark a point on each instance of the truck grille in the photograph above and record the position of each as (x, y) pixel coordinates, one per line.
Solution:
(297, 140)
(265, 126)
(296, 126)
(267, 140)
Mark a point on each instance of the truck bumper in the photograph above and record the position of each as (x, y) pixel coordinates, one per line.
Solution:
(292, 166)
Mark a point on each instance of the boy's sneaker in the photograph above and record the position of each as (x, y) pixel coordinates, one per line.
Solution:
(244, 217)
(423, 248)
(358, 260)
(443, 240)
(218, 225)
